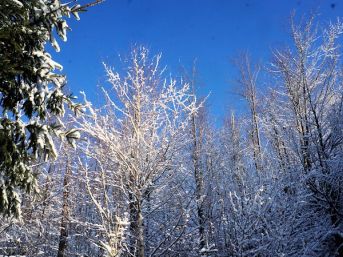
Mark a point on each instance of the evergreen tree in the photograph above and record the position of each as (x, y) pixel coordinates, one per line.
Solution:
(32, 96)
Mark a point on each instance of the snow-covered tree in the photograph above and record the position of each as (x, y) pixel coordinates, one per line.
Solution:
(299, 121)
(135, 142)
(32, 92)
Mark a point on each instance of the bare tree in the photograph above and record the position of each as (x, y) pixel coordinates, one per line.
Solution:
(140, 131)
(248, 88)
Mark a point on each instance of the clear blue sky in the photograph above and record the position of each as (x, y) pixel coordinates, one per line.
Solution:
(213, 31)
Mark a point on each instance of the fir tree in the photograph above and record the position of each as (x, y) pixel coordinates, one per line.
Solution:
(32, 95)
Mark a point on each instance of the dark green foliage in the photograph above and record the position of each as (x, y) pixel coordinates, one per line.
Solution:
(31, 93)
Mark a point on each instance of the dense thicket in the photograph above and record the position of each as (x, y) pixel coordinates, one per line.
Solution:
(154, 176)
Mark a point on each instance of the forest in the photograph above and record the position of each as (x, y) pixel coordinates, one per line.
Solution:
(148, 170)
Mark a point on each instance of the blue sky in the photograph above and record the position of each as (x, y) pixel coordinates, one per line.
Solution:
(212, 31)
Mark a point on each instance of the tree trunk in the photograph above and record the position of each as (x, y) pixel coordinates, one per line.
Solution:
(136, 226)
(65, 214)
(198, 172)
(199, 186)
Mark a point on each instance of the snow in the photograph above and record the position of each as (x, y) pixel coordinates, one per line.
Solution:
(17, 3)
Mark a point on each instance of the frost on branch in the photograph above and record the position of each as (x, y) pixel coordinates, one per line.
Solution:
(134, 142)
